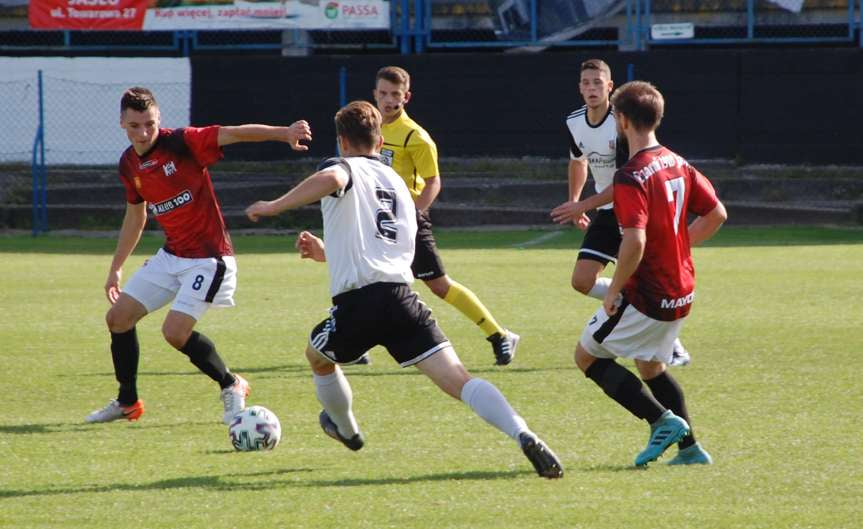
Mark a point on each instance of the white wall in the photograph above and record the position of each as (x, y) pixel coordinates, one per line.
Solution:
(82, 104)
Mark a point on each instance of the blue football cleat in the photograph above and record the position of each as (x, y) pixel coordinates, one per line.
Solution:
(692, 455)
(664, 432)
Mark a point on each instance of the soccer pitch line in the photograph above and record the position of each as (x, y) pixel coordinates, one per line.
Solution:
(544, 238)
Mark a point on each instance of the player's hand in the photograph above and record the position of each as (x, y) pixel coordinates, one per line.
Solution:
(583, 222)
(297, 132)
(261, 208)
(612, 302)
(112, 286)
(310, 247)
(568, 212)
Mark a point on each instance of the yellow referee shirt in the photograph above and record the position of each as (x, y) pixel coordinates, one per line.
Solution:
(410, 151)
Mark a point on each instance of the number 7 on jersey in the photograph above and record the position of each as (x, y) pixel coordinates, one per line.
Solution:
(675, 189)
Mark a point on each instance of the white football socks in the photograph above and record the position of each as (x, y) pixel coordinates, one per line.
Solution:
(334, 393)
(490, 404)
(600, 288)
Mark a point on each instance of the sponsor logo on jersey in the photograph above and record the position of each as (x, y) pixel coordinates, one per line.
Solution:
(387, 156)
(599, 160)
(167, 206)
(148, 163)
(657, 164)
(676, 303)
(169, 168)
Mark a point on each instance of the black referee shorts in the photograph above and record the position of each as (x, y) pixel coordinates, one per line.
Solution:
(427, 264)
(387, 314)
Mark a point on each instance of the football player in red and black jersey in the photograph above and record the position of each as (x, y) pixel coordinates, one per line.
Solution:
(654, 282)
(166, 172)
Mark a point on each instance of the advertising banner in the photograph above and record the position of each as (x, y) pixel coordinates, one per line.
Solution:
(217, 14)
(87, 14)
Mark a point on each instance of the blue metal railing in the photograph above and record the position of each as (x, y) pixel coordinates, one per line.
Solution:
(412, 31)
(39, 169)
(752, 30)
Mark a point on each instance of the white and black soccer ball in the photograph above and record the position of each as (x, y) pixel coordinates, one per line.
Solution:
(255, 428)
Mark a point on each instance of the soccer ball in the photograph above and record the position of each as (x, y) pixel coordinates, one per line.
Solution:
(255, 428)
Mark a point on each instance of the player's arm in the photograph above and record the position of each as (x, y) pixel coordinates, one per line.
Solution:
(628, 258)
(312, 189)
(423, 153)
(573, 211)
(577, 178)
(292, 135)
(429, 193)
(705, 226)
(130, 233)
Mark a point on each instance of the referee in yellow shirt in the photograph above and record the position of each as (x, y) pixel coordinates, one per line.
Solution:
(411, 152)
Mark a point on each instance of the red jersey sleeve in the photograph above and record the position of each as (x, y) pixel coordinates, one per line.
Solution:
(132, 195)
(203, 143)
(702, 199)
(630, 201)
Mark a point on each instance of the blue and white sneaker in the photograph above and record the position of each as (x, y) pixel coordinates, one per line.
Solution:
(692, 455)
(679, 355)
(666, 431)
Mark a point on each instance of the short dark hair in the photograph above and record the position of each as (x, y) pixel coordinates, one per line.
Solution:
(596, 64)
(641, 103)
(138, 98)
(395, 75)
(360, 123)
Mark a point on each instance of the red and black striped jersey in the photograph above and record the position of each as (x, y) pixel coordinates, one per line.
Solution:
(654, 191)
(172, 177)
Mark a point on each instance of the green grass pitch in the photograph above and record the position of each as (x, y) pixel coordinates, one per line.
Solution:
(774, 392)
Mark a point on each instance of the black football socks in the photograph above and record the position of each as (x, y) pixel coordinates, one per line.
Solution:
(625, 388)
(125, 353)
(668, 392)
(202, 353)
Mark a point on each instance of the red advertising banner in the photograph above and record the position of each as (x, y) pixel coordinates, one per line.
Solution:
(209, 14)
(87, 14)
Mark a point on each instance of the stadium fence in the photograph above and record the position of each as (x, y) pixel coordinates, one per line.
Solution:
(417, 26)
(45, 125)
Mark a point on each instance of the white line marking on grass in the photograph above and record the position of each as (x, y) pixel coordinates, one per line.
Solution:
(545, 237)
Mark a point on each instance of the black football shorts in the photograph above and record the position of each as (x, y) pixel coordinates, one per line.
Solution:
(387, 314)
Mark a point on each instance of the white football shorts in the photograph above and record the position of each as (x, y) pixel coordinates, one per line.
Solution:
(195, 285)
(630, 334)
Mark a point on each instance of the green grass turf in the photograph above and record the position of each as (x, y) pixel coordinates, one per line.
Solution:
(773, 392)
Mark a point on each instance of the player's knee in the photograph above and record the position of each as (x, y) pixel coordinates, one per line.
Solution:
(455, 384)
(649, 370)
(319, 365)
(117, 321)
(583, 284)
(583, 359)
(438, 287)
(176, 337)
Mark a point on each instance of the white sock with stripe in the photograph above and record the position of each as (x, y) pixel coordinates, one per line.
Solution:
(490, 404)
(334, 393)
(600, 288)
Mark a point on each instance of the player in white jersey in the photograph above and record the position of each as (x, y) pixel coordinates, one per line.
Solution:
(594, 143)
(370, 228)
